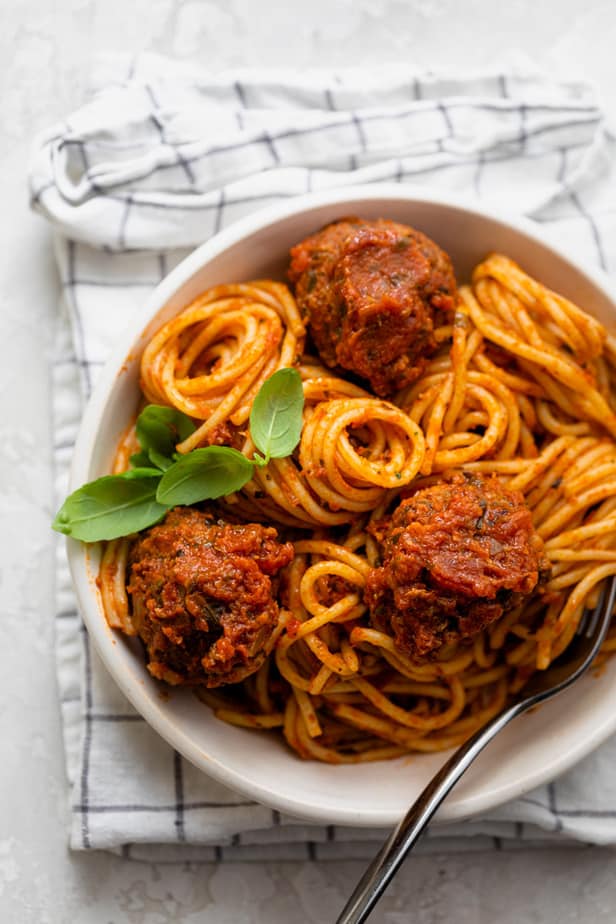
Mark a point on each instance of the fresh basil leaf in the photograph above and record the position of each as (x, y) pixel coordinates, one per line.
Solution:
(150, 457)
(162, 428)
(276, 415)
(204, 474)
(160, 461)
(142, 471)
(111, 506)
(139, 460)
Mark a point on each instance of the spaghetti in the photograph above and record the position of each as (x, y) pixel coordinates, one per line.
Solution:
(521, 386)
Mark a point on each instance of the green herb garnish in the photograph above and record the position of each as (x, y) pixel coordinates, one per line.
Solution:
(112, 506)
(204, 474)
(160, 478)
(276, 415)
(161, 428)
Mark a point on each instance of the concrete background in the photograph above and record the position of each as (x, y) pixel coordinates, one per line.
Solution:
(46, 47)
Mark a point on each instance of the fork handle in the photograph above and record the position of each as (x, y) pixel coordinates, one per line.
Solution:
(404, 837)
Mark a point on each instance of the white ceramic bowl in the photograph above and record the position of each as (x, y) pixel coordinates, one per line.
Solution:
(532, 750)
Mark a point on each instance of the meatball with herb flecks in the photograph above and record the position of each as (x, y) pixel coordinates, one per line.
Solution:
(455, 557)
(372, 292)
(203, 596)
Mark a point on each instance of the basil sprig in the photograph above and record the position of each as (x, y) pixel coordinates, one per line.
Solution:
(160, 478)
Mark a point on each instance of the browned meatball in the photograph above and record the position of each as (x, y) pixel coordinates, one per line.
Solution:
(455, 557)
(370, 291)
(202, 596)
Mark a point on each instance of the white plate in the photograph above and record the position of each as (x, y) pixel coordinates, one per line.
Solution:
(535, 748)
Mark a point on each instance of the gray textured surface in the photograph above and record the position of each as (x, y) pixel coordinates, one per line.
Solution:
(45, 50)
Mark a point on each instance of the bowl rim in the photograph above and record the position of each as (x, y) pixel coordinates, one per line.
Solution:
(78, 553)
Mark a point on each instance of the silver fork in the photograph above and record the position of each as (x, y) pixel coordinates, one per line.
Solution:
(543, 685)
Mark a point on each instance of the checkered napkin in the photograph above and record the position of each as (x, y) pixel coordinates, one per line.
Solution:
(161, 158)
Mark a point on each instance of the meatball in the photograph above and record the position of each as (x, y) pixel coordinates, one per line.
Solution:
(455, 557)
(370, 291)
(202, 596)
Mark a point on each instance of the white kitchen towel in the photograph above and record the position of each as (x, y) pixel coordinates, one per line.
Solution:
(161, 158)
